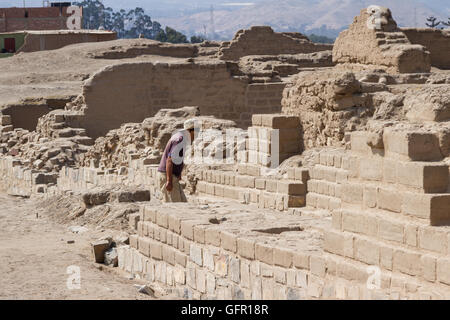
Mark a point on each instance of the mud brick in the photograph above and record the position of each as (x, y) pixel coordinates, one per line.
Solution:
(318, 266)
(144, 246)
(282, 257)
(435, 207)
(407, 261)
(294, 201)
(162, 219)
(149, 214)
(415, 146)
(428, 263)
(196, 254)
(180, 258)
(133, 220)
(174, 223)
(390, 199)
(260, 184)
(391, 230)
(245, 181)
(291, 188)
(271, 185)
(187, 228)
(228, 241)
(163, 235)
(433, 240)
(338, 243)
(256, 120)
(134, 241)
(371, 168)
(367, 251)
(302, 174)
(212, 236)
(246, 248)
(433, 178)
(411, 235)
(352, 193)
(264, 253)
(156, 250)
(386, 257)
(443, 270)
(199, 234)
(148, 229)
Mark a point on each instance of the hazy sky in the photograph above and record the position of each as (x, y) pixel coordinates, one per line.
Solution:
(174, 7)
(149, 3)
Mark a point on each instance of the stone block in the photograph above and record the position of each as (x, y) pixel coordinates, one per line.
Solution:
(196, 254)
(228, 241)
(415, 146)
(407, 261)
(144, 246)
(433, 240)
(433, 207)
(428, 263)
(264, 253)
(168, 254)
(283, 257)
(389, 199)
(443, 270)
(291, 188)
(367, 251)
(212, 236)
(246, 248)
(432, 178)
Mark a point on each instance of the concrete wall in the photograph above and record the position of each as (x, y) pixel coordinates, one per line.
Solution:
(436, 41)
(51, 41)
(131, 92)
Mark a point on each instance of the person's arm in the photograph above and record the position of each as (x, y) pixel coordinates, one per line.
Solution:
(169, 170)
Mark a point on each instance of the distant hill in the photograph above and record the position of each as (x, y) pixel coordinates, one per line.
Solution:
(321, 17)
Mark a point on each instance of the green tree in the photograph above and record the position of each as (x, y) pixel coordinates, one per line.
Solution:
(320, 39)
(446, 23)
(197, 39)
(432, 22)
(129, 24)
(171, 35)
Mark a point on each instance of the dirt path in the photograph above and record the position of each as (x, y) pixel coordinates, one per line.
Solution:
(35, 255)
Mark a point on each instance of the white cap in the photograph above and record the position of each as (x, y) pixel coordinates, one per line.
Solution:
(189, 124)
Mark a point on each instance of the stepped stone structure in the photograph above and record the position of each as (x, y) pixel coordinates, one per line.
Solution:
(436, 41)
(382, 45)
(314, 174)
(262, 40)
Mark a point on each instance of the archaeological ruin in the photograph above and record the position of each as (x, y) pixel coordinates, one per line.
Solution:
(317, 172)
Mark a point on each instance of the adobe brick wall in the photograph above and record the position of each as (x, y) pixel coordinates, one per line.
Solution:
(56, 40)
(436, 41)
(131, 92)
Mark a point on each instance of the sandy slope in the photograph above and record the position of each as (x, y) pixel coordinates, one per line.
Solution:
(34, 256)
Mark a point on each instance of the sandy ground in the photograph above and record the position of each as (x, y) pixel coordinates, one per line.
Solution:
(60, 72)
(35, 255)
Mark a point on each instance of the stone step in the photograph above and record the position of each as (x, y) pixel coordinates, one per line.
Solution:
(392, 285)
(321, 201)
(434, 268)
(71, 132)
(84, 140)
(411, 233)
